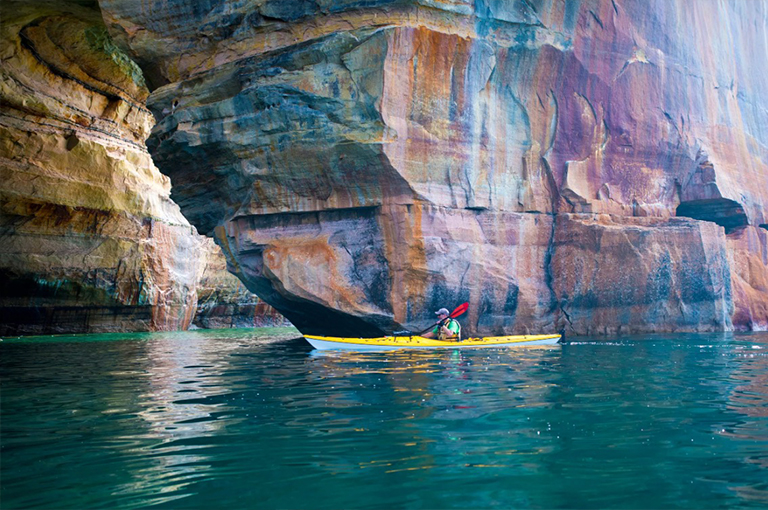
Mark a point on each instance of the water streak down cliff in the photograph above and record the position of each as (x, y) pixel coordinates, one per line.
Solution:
(590, 166)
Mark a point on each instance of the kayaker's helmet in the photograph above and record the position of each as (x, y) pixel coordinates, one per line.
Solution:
(442, 311)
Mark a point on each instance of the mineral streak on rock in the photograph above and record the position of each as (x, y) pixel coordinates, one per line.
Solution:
(748, 249)
(362, 163)
(669, 274)
(91, 241)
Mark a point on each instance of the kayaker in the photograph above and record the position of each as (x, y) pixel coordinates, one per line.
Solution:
(446, 329)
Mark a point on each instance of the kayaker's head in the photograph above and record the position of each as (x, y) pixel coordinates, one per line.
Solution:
(442, 313)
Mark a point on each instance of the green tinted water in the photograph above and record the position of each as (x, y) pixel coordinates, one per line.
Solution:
(228, 419)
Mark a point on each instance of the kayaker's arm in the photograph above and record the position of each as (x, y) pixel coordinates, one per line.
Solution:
(442, 330)
(438, 330)
(446, 327)
(434, 332)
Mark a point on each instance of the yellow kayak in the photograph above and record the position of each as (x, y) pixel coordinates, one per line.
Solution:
(387, 343)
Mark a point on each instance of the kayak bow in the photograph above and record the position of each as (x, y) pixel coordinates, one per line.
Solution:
(388, 343)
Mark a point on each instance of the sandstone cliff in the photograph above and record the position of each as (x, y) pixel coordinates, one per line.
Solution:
(224, 302)
(591, 166)
(90, 238)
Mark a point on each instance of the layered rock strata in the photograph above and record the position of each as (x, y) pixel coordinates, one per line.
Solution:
(363, 163)
(91, 241)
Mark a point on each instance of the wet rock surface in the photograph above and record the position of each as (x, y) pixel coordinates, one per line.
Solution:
(748, 248)
(362, 163)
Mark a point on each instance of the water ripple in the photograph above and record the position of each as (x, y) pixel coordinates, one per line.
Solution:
(193, 421)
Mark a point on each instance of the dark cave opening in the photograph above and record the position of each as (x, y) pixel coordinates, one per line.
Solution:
(726, 213)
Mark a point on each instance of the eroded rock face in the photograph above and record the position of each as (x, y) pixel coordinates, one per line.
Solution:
(91, 240)
(224, 302)
(354, 270)
(362, 163)
(642, 275)
(748, 248)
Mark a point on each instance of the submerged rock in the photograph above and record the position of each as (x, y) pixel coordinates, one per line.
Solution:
(363, 163)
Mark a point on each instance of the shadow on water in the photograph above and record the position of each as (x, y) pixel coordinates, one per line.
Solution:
(239, 419)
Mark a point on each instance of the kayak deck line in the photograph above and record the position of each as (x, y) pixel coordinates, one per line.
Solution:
(419, 342)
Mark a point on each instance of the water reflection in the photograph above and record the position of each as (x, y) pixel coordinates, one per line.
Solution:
(180, 407)
(185, 421)
(749, 397)
(674, 398)
(459, 410)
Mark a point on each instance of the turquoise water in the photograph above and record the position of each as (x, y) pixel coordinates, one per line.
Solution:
(237, 419)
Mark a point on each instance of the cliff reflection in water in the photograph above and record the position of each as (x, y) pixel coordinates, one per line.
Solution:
(451, 401)
(212, 419)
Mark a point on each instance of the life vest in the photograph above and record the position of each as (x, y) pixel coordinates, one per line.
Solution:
(451, 322)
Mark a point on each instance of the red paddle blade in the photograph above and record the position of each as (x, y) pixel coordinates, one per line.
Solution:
(459, 310)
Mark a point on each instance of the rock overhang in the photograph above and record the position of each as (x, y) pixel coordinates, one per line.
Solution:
(391, 109)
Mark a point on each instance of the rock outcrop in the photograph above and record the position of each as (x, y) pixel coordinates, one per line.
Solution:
(630, 275)
(91, 240)
(748, 248)
(224, 302)
(363, 163)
